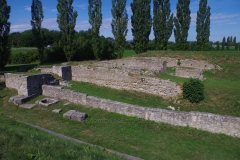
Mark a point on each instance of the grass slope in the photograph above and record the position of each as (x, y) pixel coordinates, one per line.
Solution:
(19, 141)
(134, 136)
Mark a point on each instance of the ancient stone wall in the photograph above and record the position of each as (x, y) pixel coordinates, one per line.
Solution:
(62, 71)
(210, 122)
(27, 85)
(155, 63)
(189, 73)
(118, 79)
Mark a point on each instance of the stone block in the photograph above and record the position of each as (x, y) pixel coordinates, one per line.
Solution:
(47, 101)
(68, 114)
(75, 115)
(27, 106)
(19, 99)
(56, 110)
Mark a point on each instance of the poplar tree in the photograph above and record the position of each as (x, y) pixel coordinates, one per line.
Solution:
(119, 25)
(36, 22)
(218, 47)
(141, 24)
(203, 25)
(223, 43)
(235, 43)
(66, 20)
(228, 39)
(5, 46)
(95, 20)
(162, 23)
(182, 24)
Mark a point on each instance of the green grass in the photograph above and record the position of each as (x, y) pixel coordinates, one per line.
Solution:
(128, 53)
(19, 141)
(134, 136)
(22, 50)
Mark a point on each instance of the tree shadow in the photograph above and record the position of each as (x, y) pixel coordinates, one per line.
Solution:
(17, 68)
(2, 85)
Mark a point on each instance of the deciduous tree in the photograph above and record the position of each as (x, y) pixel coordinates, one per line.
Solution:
(223, 43)
(203, 25)
(66, 20)
(162, 23)
(119, 25)
(182, 24)
(141, 24)
(5, 46)
(95, 20)
(36, 22)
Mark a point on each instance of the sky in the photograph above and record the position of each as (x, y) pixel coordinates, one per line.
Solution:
(225, 17)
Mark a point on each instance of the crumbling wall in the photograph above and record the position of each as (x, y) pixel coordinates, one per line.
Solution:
(206, 121)
(62, 71)
(27, 85)
(189, 73)
(155, 63)
(118, 79)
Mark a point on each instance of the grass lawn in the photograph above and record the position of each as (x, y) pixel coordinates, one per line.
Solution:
(19, 141)
(134, 136)
(21, 50)
(128, 53)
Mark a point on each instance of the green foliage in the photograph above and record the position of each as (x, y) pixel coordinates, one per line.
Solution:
(54, 54)
(182, 24)
(119, 25)
(218, 47)
(24, 58)
(36, 22)
(223, 43)
(141, 24)
(162, 23)
(193, 90)
(95, 20)
(66, 20)
(5, 46)
(203, 25)
(228, 43)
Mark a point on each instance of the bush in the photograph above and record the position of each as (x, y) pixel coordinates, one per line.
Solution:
(193, 90)
(23, 58)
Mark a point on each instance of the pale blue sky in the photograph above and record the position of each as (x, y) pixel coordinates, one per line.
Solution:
(225, 17)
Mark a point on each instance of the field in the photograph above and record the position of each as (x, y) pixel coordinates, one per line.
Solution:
(146, 139)
(21, 50)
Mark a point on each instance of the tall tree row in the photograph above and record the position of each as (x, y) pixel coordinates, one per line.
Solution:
(182, 24)
(203, 25)
(66, 20)
(5, 46)
(95, 20)
(36, 22)
(141, 24)
(162, 23)
(119, 25)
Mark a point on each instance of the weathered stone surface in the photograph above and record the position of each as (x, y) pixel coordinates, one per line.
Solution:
(27, 106)
(19, 99)
(75, 115)
(27, 85)
(64, 83)
(2, 78)
(79, 116)
(47, 101)
(56, 110)
(205, 121)
(62, 71)
(117, 79)
(68, 114)
(189, 73)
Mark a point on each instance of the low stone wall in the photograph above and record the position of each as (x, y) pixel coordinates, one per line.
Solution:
(189, 73)
(2, 78)
(210, 122)
(155, 63)
(62, 71)
(118, 79)
(27, 85)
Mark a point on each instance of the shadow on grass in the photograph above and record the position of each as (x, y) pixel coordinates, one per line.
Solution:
(2, 85)
(18, 68)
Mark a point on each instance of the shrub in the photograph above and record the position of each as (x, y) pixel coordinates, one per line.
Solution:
(193, 90)
(24, 58)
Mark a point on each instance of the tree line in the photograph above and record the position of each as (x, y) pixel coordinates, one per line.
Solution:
(163, 22)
